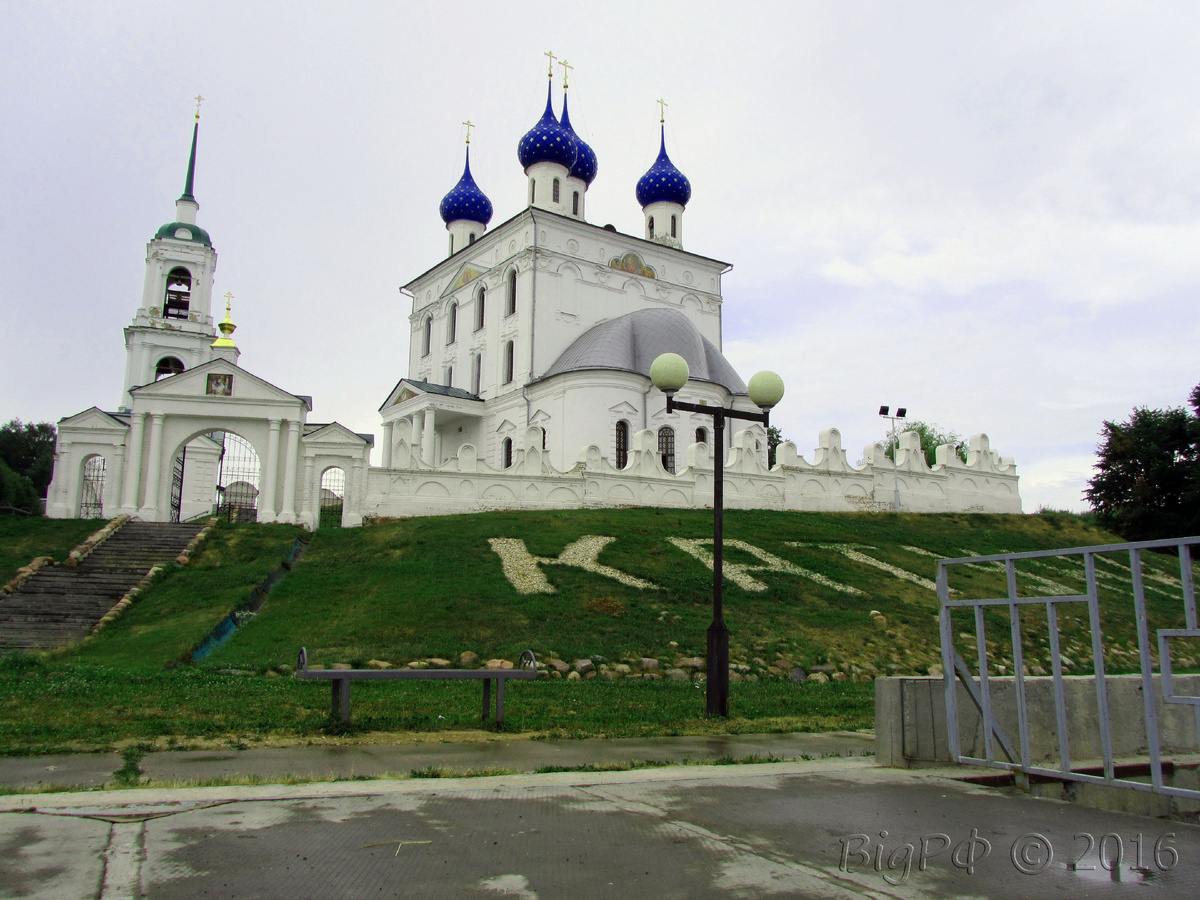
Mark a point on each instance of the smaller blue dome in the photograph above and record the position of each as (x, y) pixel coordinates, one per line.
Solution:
(663, 181)
(466, 200)
(547, 141)
(585, 159)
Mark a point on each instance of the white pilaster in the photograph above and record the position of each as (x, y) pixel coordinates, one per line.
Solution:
(266, 507)
(308, 514)
(133, 464)
(288, 513)
(149, 510)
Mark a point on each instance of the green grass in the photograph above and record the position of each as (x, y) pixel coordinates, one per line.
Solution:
(168, 621)
(417, 588)
(22, 539)
(47, 707)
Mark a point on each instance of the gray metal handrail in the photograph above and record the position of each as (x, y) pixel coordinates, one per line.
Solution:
(955, 668)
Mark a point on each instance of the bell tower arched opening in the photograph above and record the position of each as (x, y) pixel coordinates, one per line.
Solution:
(178, 298)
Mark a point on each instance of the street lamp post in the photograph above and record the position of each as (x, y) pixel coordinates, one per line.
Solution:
(901, 412)
(669, 373)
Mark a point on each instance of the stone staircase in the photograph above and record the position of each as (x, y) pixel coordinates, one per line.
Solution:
(61, 604)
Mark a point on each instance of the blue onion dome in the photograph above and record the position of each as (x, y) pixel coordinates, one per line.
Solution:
(547, 141)
(663, 181)
(466, 200)
(585, 159)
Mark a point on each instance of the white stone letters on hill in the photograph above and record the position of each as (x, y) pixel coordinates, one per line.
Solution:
(521, 567)
(739, 573)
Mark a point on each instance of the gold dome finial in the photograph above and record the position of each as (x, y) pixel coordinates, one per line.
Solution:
(226, 327)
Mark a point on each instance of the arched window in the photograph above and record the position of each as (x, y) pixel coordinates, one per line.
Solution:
(179, 294)
(543, 438)
(511, 298)
(452, 323)
(508, 362)
(167, 366)
(554, 192)
(666, 448)
(506, 453)
(471, 238)
(480, 297)
(702, 436)
(673, 226)
(650, 228)
(622, 444)
(476, 372)
(426, 335)
(449, 376)
(532, 191)
(575, 204)
(451, 245)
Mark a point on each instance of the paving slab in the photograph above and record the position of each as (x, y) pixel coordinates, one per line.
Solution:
(835, 828)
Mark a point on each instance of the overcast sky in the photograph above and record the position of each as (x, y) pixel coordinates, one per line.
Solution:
(988, 213)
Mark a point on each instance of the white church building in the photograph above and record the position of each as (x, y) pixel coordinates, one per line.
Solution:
(528, 384)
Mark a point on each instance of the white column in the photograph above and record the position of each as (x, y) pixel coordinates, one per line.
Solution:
(414, 438)
(266, 497)
(387, 444)
(427, 448)
(133, 464)
(288, 512)
(149, 510)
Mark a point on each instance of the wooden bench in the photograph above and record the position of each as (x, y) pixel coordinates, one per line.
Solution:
(339, 681)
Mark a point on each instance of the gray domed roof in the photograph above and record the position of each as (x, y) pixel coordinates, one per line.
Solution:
(631, 343)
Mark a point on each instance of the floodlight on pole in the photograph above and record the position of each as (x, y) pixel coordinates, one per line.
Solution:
(669, 372)
(901, 412)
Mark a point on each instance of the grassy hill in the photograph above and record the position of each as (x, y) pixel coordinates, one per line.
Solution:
(846, 591)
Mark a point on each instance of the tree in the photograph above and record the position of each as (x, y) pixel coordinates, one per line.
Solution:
(1147, 481)
(932, 436)
(774, 439)
(28, 449)
(17, 493)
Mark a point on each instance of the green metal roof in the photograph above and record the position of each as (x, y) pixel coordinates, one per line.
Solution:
(198, 234)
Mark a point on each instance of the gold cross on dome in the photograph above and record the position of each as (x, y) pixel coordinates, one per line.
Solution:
(198, 100)
(550, 56)
(228, 300)
(469, 125)
(566, 71)
(662, 110)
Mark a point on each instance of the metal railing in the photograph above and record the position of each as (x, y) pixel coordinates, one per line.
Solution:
(979, 688)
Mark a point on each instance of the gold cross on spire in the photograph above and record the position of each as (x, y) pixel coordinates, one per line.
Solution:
(566, 71)
(198, 100)
(228, 300)
(662, 111)
(469, 125)
(550, 56)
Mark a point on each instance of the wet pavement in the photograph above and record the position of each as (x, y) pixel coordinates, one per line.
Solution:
(359, 760)
(830, 828)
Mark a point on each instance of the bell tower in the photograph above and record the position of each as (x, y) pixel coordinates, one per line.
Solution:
(172, 329)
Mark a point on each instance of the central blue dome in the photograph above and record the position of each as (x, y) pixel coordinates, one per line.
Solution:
(585, 159)
(547, 141)
(466, 200)
(663, 181)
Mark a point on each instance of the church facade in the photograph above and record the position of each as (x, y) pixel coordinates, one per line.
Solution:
(528, 383)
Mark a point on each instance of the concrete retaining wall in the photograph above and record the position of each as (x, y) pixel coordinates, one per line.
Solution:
(910, 718)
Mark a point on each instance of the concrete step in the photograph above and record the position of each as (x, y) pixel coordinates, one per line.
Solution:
(61, 604)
